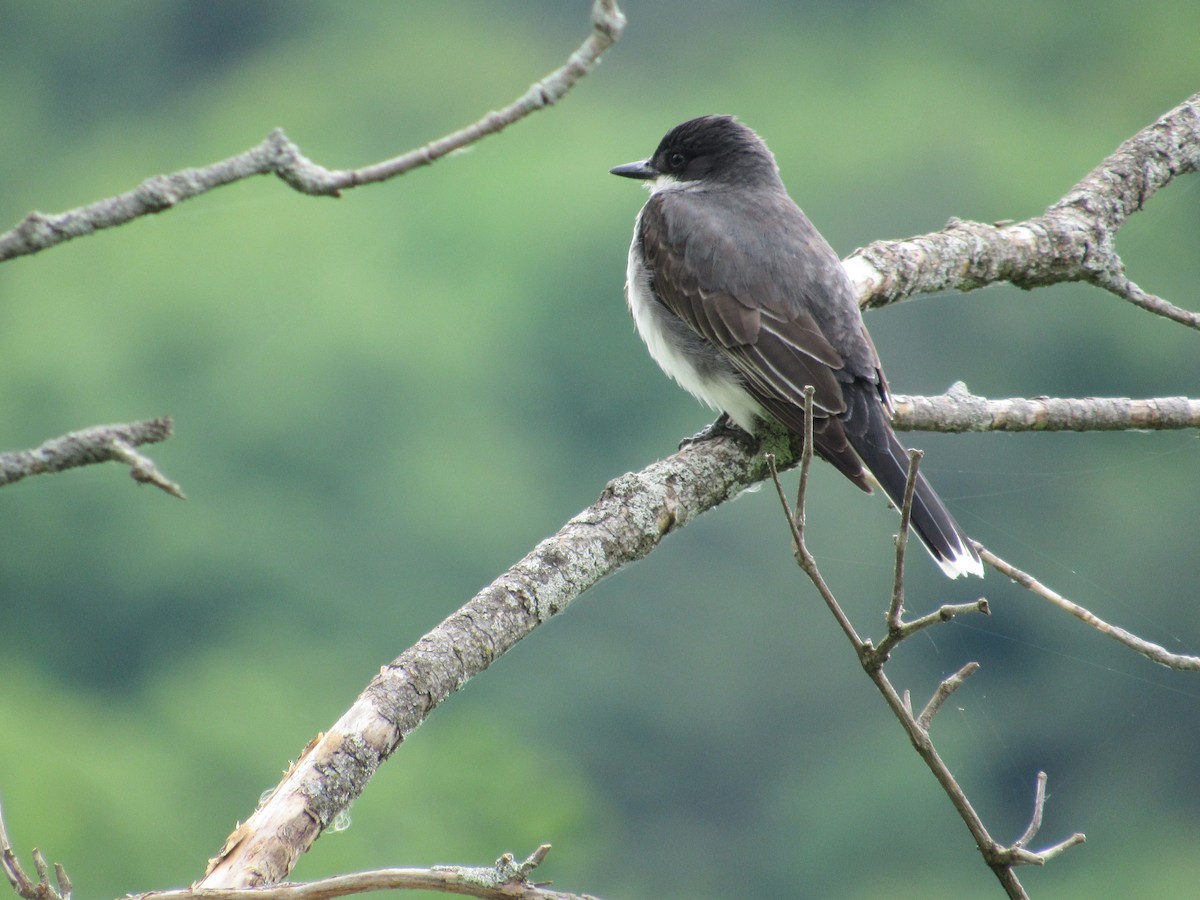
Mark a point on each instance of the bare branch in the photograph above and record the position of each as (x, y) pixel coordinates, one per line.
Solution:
(896, 607)
(898, 629)
(872, 662)
(277, 154)
(507, 879)
(504, 881)
(804, 558)
(1115, 282)
(1074, 240)
(1016, 853)
(633, 514)
(943, 692)
(904, 630)
(959, 410)
(142, 468)
(21, 883)
(1042, 857)
(806, 455)
(98, 444)
(1002, 860)
(1039, 806)
(1151, 651)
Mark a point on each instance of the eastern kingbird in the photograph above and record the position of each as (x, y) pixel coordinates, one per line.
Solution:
(741, 301)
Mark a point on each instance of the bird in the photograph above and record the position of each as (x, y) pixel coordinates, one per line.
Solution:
(740, 300)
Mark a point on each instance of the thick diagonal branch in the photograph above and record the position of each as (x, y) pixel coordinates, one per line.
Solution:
(629, 519)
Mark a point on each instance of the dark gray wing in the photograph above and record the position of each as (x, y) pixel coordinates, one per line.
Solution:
(748, 272)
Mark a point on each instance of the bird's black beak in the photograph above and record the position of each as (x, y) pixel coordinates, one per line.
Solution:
(641, 170)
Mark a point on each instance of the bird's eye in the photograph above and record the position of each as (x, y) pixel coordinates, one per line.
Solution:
(675, 161)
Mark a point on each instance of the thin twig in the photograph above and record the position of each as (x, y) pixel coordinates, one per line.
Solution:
(1044, 856)
(943, 613)
(142, 468)
(1116, 283)
(1039, 805)
(806, 456)
(1151, 651)
(1002, 860)
(896, 607)
(279, 155)
(796, 524)
(947, 687)
(1017, 853)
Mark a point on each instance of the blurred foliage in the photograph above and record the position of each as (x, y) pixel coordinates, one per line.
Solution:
(384, 401)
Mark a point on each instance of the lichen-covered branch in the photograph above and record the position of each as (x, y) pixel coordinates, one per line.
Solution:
(1073, 240)
(959, 410)
(630, 518)
(98, 444)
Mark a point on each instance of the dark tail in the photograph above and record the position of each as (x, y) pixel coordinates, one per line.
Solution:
(886, 459)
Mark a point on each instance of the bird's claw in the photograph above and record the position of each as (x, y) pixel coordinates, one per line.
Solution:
(722, 427)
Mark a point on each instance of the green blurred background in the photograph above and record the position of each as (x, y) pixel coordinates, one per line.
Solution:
(383, 401)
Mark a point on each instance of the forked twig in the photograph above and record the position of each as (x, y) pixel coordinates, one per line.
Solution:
(1001, 859)
(24, 886)
(1073, 240)
(1017, 851)
(897, 628)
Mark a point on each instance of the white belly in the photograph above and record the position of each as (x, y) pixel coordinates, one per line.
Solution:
(719, 390)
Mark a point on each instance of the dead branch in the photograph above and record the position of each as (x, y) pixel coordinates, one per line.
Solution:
(1151, 651)
(1070, 242)
(1074, 240)
(959, 410)
(633, 514)
(945, 688)
(278, 155)
(98, 444)
(506, 879)
(26, 887)
(1000, 858)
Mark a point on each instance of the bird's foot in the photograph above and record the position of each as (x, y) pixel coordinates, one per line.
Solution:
(722, 427)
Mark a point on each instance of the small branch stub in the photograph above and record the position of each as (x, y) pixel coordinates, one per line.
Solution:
(943, 692)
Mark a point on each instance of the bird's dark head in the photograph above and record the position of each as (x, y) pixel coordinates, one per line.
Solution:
(717, 150)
